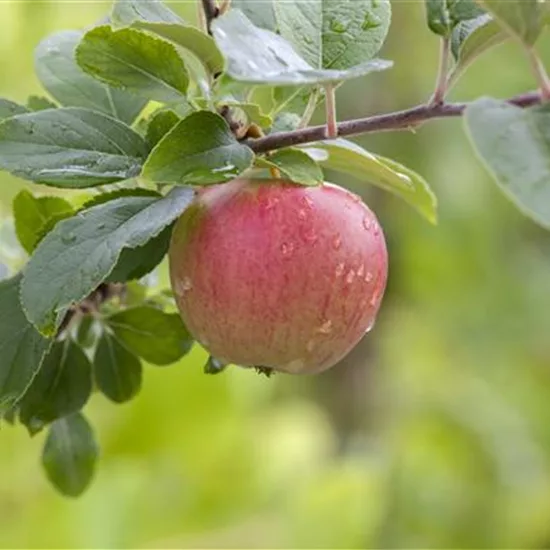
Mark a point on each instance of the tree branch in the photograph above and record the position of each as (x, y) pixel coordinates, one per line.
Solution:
(211, 11)
(399, 120)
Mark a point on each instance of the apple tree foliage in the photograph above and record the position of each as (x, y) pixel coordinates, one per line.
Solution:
(144, 108)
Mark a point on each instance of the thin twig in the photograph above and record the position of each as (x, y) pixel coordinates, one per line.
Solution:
(399, 120)
(211, 11)
(441, 82)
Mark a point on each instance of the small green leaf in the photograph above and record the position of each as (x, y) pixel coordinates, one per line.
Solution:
(9, 108)
(524, 19)
(80, 252)
(31, 213)
(472, 38)
(60, 75)
(159, 125)
(199, 150)
(117, 371)
(444, 15)
(70, 455)
(334, 34)
(272, 59)
(296, 165)
(514, 145)
(70, 147)
(135, 263)
(349, 158)
(262, 14)
(134, 60)
(61, 387)
(159, 338)
(22, 347)
(39, 103)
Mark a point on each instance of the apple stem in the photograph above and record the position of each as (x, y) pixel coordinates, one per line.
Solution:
(330, 102)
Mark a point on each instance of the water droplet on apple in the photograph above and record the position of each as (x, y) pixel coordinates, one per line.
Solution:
(350, 277)
(340, 270)
(369, 277)
(326, 327)
(367, 224)
(337, 242)
(287, 249)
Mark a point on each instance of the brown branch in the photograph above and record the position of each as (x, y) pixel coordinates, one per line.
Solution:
(211, 11)
(400, 120)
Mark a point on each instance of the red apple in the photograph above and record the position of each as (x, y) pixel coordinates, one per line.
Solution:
(278, 275)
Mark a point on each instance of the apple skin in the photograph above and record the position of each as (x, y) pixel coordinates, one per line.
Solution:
(273, 274)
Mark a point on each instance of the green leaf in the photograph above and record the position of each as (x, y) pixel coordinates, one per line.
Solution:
(157, 18)
(62, 386)
(39, 103)
(22, 348)
(135, 263)
(70, 455)
(9, 108)
(334, 34)
(158, 337)
(134, 60)
(472, 38)
(296, 165)
(514, 145)
(125, 12)
(117, 371)
(262, 14)
(31, 213)
(159, 125)
(349, 158)
(80, 252)
(273, 60)
(524, 19)
(60, 75)
(444, 15)
(199, 150)
(70, 147)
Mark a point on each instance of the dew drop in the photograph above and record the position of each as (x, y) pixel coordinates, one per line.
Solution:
(287, 249)
(361, 271)
(369, 277)
(183, 286)
(271, 203)
(336, 242)
(325, 328)
(310, 346)
(350, 277)
(339, 270)
(367, 224)
(302, 214)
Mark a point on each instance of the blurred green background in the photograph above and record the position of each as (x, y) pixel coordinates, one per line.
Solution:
(434, 432)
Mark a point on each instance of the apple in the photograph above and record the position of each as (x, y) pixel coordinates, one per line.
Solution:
(267, 273)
